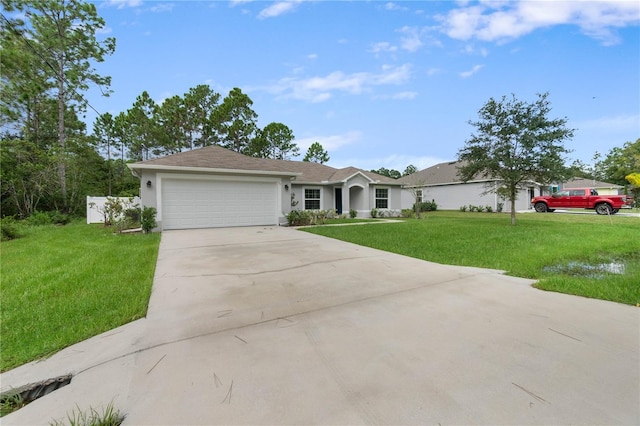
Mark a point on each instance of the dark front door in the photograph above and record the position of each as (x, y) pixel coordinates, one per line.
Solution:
(339, 200)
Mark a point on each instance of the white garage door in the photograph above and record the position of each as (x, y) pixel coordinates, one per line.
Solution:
(209, 203)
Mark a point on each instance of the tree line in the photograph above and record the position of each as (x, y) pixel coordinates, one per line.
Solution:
(51, 162)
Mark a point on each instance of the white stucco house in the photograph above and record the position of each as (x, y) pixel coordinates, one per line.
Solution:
(216, 187)
(442, 184)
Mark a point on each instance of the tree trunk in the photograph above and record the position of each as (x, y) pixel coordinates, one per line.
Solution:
(513, 208)
(62, 141)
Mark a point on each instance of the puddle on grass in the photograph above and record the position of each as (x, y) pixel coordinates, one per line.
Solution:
(588, 270)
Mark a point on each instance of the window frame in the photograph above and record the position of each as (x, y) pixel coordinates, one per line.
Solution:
(305, 199)
(385, 199)
(419, 195)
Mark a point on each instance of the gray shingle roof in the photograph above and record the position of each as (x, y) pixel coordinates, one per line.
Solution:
(442, 173)
(216, 157)
(589, 183)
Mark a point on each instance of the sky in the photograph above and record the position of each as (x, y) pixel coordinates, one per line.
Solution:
(385, 84)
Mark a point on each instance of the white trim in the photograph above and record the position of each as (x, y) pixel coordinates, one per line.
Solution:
(304, 197)
(356, 184)
(375, 197)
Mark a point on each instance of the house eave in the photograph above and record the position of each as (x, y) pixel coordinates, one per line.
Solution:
(210, 170)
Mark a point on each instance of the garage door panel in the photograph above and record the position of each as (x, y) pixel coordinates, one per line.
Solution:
(210, 203)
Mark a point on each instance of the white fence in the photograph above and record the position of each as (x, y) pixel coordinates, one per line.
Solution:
(95, 206)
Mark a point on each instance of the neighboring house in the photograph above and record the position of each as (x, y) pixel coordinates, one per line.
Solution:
(216, 187)
(442, 184)
(603, 188)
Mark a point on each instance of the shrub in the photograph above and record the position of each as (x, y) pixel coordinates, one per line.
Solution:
(374, 213)
(317, 217)
(407, 213)
(426, 206)
(353, 213)
(59, 218)
(299, 218)
(499, 207)
(148, 219)
(463, 208)
(9, 229)
(38, 219)
(488, 209)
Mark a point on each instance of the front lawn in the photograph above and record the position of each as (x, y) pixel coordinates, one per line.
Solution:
(567, 253)
(64, 284)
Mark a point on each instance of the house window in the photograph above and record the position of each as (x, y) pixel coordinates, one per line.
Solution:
(312, 199)
(418, 195)
(382, 198)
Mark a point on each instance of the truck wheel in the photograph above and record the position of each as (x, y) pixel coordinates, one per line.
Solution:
(541, 207)
(604, 208)
(615, 211)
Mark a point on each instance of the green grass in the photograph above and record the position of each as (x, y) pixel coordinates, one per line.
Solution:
(537, 242)
(61, 285)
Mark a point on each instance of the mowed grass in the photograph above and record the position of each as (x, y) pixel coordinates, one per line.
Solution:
(540, 246)
(61, 285)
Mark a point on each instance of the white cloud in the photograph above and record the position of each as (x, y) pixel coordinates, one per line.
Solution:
(472, 71)
(400, 96)
(278, 8)
(410, 40)
(613, 124)
(121, 4)
(394, 6)
(502, 21)
(383, 46)
(322, 88)
(331, 142)
(162, 7)
(312, 56)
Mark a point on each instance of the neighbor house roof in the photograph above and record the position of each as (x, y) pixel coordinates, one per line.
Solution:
(439, 174)
(589, 183)
(217, 159)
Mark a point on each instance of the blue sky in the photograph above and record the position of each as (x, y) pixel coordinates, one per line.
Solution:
(386, 84)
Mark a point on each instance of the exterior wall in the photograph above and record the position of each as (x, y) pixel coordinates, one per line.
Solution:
(454, 196)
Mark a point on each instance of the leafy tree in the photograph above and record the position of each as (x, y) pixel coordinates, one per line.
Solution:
(60, 37)
(394, 174)
(517, 143)
(620, 162)
(200, 104)
(27, 176)
(633, 179)
(316, 154)
(235, 121)
(104, 133)
(172, 117)
(141, 127)
(274, 141)
(411, 169)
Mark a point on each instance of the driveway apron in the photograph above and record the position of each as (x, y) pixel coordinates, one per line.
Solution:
(270, 325)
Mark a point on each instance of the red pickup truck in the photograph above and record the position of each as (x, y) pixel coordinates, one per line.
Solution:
(581, 198)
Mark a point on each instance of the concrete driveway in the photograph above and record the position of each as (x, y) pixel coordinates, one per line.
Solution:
(277, 326)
